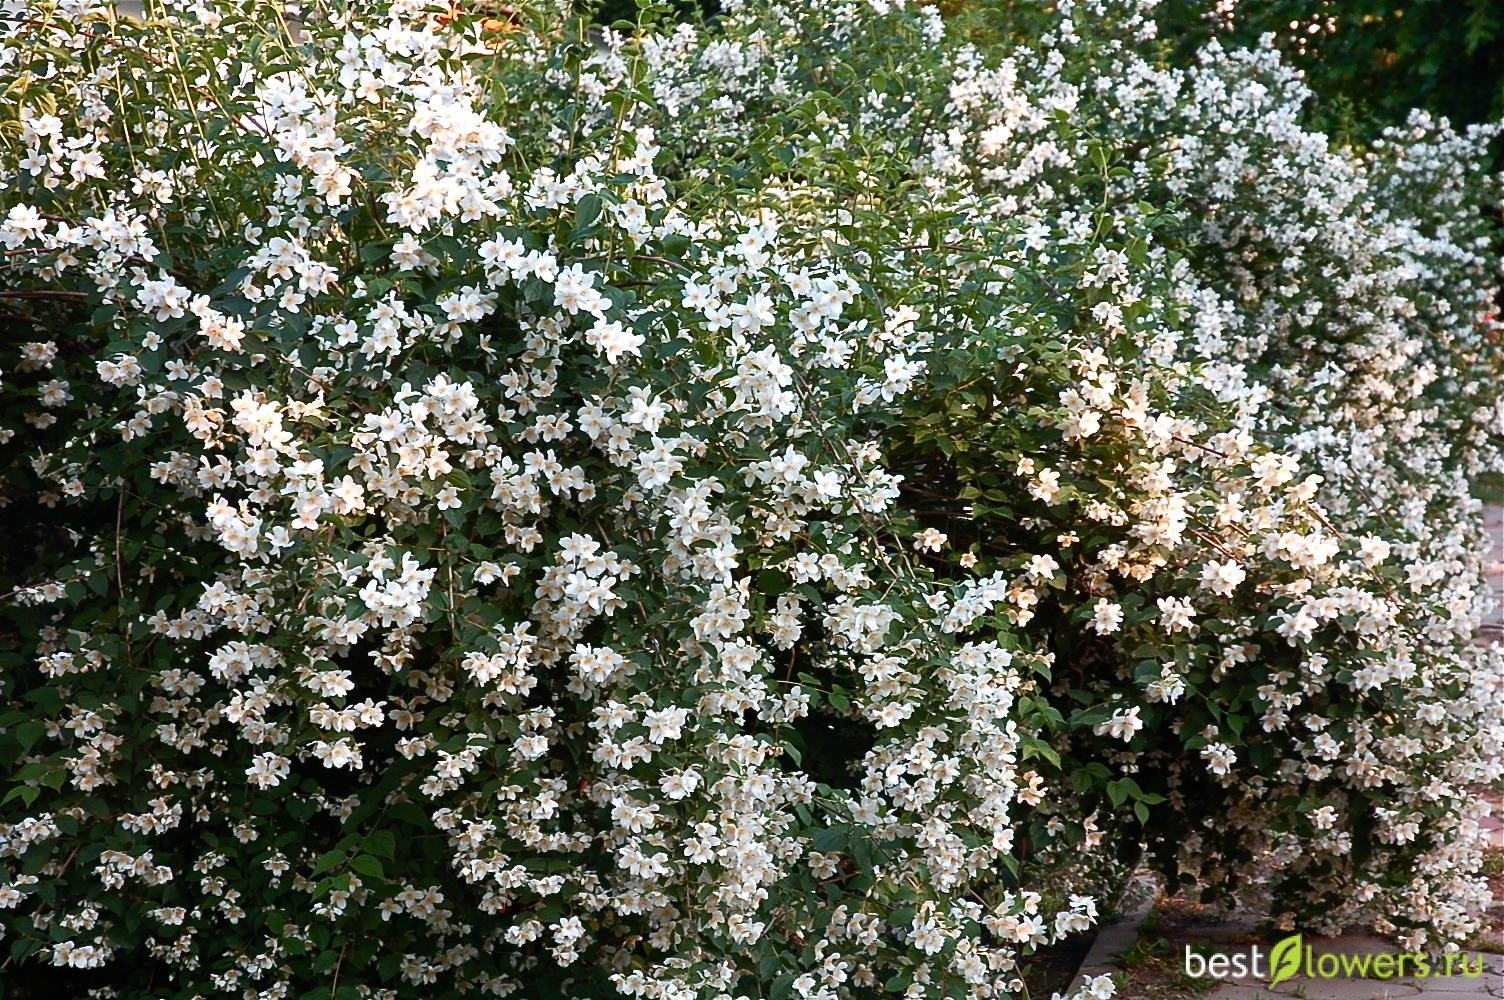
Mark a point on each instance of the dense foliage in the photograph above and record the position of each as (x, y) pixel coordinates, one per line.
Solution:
(1370, 60)
(789, 507)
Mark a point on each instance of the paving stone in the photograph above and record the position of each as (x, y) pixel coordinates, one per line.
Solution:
(1349, 944)
(1490, 985)
(1323, 989)
(1357, 989)
(1225, 939)
(1232, 992)
(1493, 569)
(1472, 987)
(1112, 940)
(1230, 929)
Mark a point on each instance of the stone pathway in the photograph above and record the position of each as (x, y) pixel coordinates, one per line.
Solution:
(1227, 938)
(1221, 951)
(1493, 628)
(1493, 523)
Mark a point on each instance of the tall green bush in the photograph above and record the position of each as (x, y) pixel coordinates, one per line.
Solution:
(781, 508)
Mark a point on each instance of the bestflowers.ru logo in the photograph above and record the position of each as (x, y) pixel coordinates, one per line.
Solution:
(1293, 957)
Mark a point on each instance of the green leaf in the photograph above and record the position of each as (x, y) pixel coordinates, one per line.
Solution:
(587, 210)
(773, 582)
(832, 839)
(328, 861)
(28, 733)
(26, 793)
(382, 843)
(368, 866)
(898, 983)
(1039, 748)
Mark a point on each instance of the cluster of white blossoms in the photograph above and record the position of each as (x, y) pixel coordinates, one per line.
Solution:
(764, 509)
(1338, 303)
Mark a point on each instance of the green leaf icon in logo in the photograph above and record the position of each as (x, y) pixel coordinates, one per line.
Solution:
(1284, 960)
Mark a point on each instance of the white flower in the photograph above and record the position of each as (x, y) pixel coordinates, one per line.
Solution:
(268, 769)
(1046, 486)
(1123, 724)
(930, 540)
(613, 340)
(1106, 616)
(1176, 614)
(1041, 568)
(124, 370)
(1222, 577)
(1372, 550)
(340, 753)
(665, 724)
(1100, 988)
(1219, 758)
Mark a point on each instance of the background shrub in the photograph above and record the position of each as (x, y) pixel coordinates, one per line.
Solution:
(783, 507)
(1372, 60)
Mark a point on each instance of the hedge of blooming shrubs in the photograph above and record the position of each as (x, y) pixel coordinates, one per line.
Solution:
(793, 507)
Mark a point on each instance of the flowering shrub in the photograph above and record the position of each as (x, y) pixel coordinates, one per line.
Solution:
(1374, 56)
(784, 508)
(1362, 283)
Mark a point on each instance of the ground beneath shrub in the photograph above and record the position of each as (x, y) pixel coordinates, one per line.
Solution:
(1154, 967)
(1492, 938)
(1052, 968)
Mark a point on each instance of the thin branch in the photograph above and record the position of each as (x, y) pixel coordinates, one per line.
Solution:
(663, 260)
(37, 586)
(77, 296)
